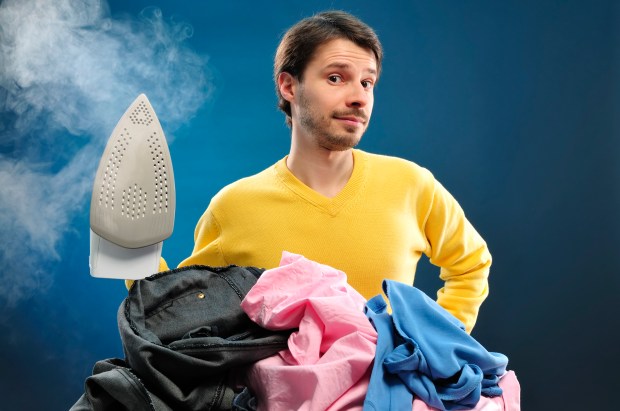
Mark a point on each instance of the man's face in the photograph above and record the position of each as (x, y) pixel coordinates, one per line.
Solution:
(335, 97)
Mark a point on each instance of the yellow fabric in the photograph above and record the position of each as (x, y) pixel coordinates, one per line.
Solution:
(389, 213)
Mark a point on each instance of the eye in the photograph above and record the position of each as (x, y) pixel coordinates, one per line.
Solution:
(367, 84)
(334, 78)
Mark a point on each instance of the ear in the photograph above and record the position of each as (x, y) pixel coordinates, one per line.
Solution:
(287, 84)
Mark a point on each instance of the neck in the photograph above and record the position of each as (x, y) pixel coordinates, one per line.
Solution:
(325, 171)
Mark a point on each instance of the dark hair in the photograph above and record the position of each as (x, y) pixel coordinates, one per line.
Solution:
(301, 41)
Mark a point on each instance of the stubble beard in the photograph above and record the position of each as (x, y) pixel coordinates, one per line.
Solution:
(319, 126)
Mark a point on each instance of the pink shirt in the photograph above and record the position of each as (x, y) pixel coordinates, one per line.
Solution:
(328, 361)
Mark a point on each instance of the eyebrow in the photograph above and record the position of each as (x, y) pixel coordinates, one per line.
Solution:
(346, 66)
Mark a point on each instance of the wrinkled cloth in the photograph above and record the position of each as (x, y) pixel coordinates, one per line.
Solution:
(244, 401)
(432, 354)
(510, 400)
(385, 391)
(328, 361)
(185, 340)
(114, 386)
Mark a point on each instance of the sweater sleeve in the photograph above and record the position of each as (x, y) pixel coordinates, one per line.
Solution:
(462, 255)
(207, 242)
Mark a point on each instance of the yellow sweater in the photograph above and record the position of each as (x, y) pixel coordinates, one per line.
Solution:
(389, 213)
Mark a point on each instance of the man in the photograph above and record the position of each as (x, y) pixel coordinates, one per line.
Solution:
(370, 216)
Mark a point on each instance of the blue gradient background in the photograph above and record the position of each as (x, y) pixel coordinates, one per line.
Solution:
(513, 106)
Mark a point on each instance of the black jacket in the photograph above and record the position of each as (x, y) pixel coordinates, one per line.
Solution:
(185, 339)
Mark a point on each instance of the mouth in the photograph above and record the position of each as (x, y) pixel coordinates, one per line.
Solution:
(351, 120)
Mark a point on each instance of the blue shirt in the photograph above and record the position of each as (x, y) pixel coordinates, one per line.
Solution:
(428, 349)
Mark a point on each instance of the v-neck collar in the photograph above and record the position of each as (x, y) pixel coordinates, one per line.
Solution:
(329, 205)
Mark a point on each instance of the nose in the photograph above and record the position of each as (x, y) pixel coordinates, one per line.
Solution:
(358, 96)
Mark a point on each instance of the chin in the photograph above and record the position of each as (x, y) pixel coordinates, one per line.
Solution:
(340, 144)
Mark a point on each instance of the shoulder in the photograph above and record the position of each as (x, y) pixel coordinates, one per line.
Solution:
(245, 188)
(387, 167)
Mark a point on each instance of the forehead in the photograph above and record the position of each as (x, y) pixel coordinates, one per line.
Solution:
(343, 52)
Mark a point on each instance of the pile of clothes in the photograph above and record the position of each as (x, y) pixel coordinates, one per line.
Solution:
(296, 337)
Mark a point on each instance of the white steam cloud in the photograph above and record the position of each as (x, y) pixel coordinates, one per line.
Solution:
(68, 71)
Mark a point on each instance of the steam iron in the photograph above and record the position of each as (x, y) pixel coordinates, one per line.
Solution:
(133, 200)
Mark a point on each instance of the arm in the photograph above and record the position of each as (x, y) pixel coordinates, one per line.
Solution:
(207, 249)
(462, 255)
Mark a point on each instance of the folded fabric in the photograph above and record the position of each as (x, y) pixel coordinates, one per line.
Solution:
(385, 391)
(510, 400)
(433, 355)
(328, 361)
